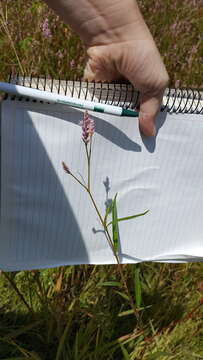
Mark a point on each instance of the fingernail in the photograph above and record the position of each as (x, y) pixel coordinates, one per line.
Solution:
(146, 125)
(146, 131)
(154, 131)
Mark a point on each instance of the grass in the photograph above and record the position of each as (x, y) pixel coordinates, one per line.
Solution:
(27, 46)
(74, 312)
(82, 312)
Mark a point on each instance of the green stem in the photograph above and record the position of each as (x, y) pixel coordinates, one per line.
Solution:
(103, 224)
(88, 163)
(90, 151)
(108, 236)
(106, 231)
(13, 284)
(98, 213)
(84, 186)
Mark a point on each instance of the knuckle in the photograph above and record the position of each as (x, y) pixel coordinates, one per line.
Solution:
(164, 81)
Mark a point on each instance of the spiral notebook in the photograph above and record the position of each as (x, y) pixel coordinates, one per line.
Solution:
(48, 220)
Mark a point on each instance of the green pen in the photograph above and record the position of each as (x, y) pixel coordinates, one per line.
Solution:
(66, 100)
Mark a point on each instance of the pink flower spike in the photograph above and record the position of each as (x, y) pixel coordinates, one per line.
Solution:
(45, 29)
(65, 168)
(88, 127)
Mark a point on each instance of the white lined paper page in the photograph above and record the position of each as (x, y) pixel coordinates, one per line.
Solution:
(48, 220)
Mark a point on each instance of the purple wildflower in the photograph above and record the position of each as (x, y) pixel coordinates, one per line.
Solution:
(59, 54)
(177, 84)
(87, 127)
(65, 167)
(45, 29)
(72, 64)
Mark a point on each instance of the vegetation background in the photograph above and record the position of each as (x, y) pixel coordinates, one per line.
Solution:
(82, 312)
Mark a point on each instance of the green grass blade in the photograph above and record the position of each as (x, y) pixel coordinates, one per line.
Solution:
(110, 283)
(108, 210)
(129, 217)
(24, 329)
(125, 313)
(27, 354)
(15, 358)
(138, 289)
(123, 295)
(125, 353)
(76, 352)
(115, 224)
(159, 355)
(63, 338)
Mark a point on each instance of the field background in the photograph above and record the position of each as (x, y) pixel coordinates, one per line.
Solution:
(82, 312)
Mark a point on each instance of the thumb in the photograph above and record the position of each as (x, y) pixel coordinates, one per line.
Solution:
(149, 107)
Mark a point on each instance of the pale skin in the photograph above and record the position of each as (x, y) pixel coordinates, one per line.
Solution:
(119, 45)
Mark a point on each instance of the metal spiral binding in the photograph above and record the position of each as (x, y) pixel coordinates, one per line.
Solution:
(120, 94)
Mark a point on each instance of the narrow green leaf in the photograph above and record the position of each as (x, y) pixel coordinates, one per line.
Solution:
(110, 283)
(158, 355)
(129, 217)
(125, 313)
(16, 358)
(63, 338)
(22, 330)
(76, 346)
(108, 209)
(115, 224)
(138, 289)
(144, 307)
(125, 353)
(123, 295)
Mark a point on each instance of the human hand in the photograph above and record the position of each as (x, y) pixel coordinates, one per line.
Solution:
(119, 44)
(139, 62)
